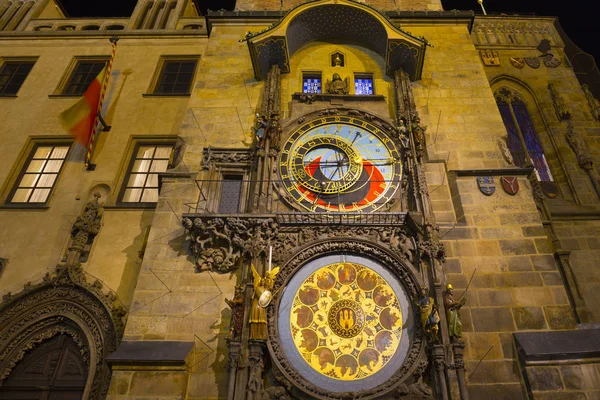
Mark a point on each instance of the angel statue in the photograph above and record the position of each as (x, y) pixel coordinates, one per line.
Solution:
(337, 85)
(261, 299)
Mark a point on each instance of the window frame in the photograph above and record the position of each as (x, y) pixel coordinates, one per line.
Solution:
(133, 150)
(21, 60)
(70, 72)
(157, 77)
(311, 75)
(20, 169)
(242, 191)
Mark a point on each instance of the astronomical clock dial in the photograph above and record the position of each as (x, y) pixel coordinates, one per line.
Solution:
(340, 164)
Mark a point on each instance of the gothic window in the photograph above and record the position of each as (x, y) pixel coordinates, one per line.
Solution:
(521, 131)
(176, 76)
(83, 74)
(38, 177)
(12, 76)
(311, 83)
(363, 84)
(141, 181)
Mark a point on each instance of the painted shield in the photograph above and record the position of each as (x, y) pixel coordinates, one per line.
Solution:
(486, 185)
(510, 184)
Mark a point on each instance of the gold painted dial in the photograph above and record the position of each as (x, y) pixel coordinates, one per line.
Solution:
(346, 321)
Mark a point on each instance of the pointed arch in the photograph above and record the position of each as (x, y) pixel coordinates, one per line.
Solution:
(62, 304)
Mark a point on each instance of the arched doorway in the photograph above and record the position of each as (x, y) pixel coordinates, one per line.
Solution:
(52, 370)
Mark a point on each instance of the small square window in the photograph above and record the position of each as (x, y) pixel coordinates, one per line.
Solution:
(83, 75)
(12, 76)
(141, 182)
(311, 83)
(176, 76)
(363, 84)
(39, 174)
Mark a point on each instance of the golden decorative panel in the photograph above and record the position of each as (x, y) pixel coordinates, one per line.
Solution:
(346, 321)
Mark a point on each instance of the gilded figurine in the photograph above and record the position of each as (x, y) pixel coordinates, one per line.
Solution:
(337, 85)
(260, 127)
(429, 314)
(453, 312)
(237, 313)
(260, 300)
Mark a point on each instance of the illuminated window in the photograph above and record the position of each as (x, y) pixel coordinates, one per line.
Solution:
(311, 83)
(363, 84)
(141, 182)
(39, 175)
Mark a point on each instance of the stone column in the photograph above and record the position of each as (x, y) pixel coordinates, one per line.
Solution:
(233, 364)
(256, 364)
(438, 359)
(459, 367)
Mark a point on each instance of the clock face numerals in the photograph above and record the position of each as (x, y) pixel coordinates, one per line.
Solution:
(340, 164)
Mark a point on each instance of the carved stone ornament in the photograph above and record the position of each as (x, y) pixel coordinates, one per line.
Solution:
(337, 85)
(86, 227)
(490, 57)
(505, 151)
(393, 263)
(218, 244)
(560, 107)
(211, 156)
(533, 62)
(63, 303)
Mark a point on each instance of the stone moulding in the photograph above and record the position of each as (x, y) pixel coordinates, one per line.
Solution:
(405, 273)
(63, 303)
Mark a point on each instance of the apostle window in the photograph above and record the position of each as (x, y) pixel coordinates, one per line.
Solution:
(141, 182)
(84, 72)
(12, 75)
(38, 177)
(311, 83)
(522, 140)
(363, 84)
(175, 76)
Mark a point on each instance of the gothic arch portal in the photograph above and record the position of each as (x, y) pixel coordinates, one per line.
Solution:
(63, 304)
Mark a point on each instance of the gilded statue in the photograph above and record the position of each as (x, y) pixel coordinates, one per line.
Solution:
(337, 85)
(453, 312)
(260, 300)
(429, 314)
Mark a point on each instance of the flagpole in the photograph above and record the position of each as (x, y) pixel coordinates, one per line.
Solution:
(90, 148)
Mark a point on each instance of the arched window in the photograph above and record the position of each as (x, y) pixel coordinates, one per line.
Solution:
(522, 140)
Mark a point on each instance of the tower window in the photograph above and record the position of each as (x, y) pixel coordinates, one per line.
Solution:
(311, 83)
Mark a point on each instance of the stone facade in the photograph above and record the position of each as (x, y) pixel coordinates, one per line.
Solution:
(179, 273)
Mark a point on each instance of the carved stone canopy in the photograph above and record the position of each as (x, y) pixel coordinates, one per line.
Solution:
(336, 19)
(63, 303)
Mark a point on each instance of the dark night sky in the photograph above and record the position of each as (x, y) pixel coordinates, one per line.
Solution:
(577, 17)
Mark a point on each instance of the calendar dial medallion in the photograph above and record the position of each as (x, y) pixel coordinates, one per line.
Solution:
(340, 164)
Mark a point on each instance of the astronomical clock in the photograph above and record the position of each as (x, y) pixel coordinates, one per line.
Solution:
(340, 164)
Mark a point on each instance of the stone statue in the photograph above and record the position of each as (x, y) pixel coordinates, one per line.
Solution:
(337, 85)
(429, 314)
(453, 312)
(419, 135)
(274, 131)
(86, 227)
(580, 147)
(237, 313)
(260, 300)
(593, 103)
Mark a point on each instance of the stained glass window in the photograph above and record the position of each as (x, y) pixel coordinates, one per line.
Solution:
(311, 83)
(363, 85)
(513, 142)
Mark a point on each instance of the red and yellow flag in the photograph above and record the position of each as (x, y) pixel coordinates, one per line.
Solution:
(79, 119)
